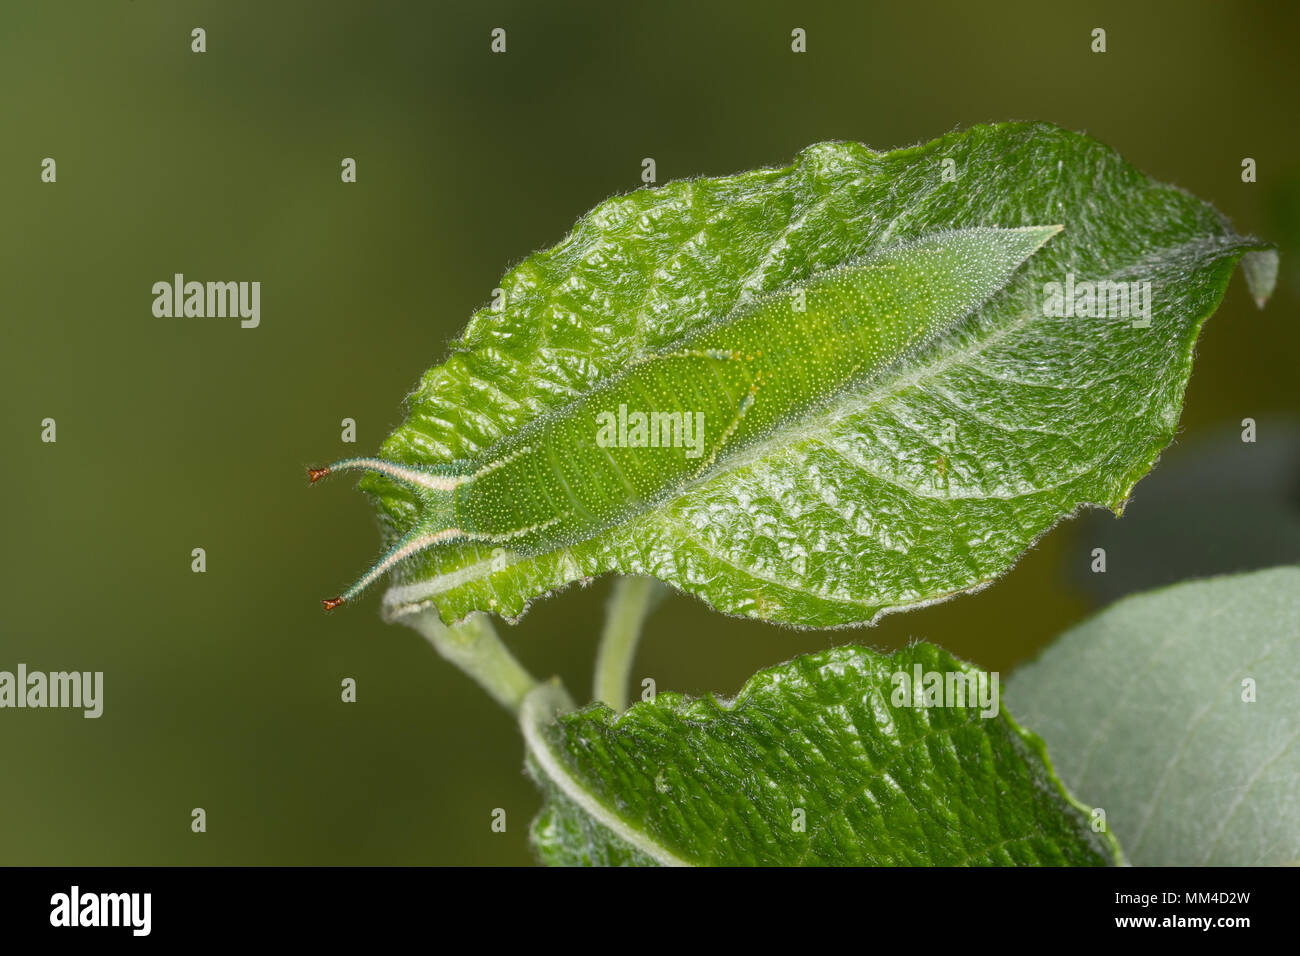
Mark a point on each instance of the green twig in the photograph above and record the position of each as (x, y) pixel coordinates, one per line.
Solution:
(631, 602)
(474, 647)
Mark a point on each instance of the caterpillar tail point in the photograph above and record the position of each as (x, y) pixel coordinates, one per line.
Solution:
(331, 603)
(316, 474)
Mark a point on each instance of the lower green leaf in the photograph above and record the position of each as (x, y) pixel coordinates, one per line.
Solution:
(843, 757)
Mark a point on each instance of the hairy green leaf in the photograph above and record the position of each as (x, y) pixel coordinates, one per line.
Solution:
(825, 760)
(1177, 711)
(928, 481)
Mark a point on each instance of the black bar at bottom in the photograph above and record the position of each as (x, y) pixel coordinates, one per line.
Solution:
(235, 904)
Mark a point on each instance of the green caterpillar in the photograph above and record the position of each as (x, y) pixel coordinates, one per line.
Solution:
(673, 418)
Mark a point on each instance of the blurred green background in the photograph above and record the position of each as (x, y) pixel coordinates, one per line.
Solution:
(222, 689)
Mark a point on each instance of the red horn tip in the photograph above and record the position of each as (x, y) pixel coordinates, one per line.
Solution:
(316, 474)
(332, 603)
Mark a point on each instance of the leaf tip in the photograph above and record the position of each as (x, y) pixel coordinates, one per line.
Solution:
(1260, 269)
